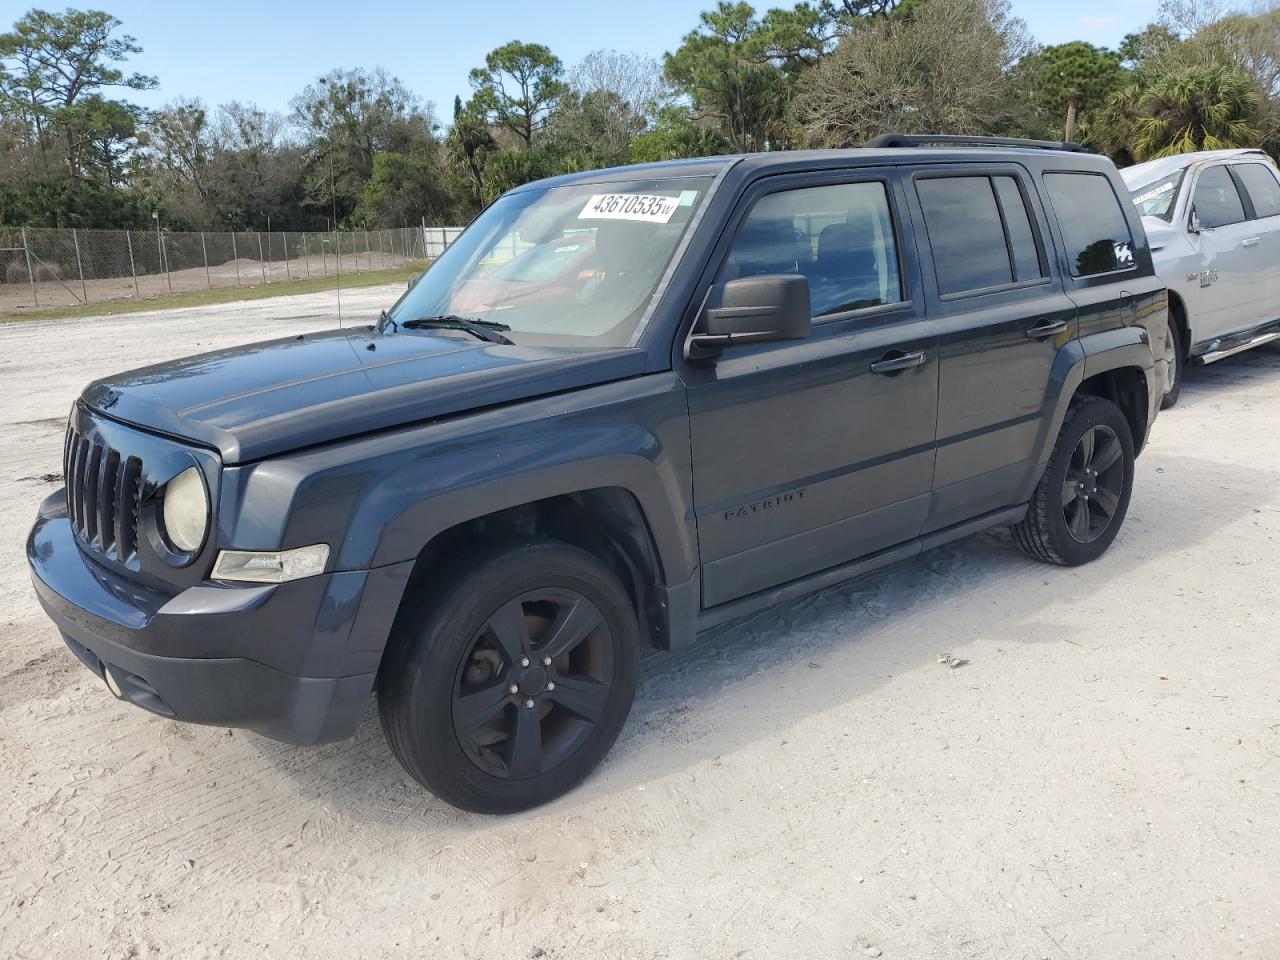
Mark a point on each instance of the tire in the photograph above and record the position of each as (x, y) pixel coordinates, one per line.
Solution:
(1175, 355)
(1053, 530)
(445, 687)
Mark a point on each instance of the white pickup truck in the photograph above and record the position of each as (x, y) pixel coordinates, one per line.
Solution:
(1213, 221)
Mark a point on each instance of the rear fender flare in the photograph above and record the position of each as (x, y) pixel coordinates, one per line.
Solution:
(1084, 358)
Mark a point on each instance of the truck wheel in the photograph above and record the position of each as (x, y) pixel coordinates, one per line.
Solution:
(506, 684)
(1175, 357)
(1080, 502)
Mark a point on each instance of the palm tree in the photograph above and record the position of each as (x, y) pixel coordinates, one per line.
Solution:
(1211, 108)
(467, 145)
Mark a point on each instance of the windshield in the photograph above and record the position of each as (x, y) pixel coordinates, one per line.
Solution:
(1157, 198)
(561, 265)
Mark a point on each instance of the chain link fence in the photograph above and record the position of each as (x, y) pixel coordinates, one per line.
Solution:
(45, 267)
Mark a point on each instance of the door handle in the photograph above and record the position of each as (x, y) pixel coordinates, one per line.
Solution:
(1250, 241)
(1046, 328)
(890, 365)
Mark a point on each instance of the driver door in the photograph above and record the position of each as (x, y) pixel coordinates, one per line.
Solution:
(810, 453)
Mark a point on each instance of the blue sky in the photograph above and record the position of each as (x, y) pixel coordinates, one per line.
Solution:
(266, 51)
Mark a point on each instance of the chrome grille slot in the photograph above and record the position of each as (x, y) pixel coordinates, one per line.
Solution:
(130, 508)
(92, 469)
(104, 495)
(108, 506)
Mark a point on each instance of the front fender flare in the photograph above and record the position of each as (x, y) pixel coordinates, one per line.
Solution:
(408, 508)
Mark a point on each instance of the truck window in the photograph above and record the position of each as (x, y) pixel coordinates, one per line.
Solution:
(1260, 183)
(1217, 201)
(1017, 221)
(839, 236)
(1157, 198)
(575, 264)
(1094, 227)
(979, 232)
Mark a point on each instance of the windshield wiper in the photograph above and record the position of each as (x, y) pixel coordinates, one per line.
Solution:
(486, 330)
(385, 318)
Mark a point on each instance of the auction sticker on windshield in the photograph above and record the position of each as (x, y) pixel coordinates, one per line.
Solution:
(629, 206)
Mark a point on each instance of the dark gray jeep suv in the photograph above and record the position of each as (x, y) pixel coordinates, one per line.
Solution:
(625, 406)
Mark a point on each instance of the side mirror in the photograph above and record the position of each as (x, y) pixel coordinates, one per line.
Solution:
(1193, 224)
(765, 309)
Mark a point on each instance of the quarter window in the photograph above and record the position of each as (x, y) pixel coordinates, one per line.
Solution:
(1094, 227)
(1217, 201)
(979, 231)
(840, 237)
(1260, 183)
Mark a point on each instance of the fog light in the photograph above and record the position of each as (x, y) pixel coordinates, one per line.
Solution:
(111, 683)
(271, 566)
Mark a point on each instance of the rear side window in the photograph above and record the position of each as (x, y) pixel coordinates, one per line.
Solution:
(840, 237)
(1217, 201)
(979, 232)
(1261, 185)
(1093, 224)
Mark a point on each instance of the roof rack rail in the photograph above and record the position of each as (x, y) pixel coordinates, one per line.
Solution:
(930, 139)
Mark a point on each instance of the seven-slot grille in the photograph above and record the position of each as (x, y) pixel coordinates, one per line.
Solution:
(104, 494)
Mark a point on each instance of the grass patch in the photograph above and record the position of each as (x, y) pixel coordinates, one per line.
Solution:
(199, 298)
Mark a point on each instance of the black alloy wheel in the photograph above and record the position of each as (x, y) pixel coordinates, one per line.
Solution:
(534, 685)
(1094, 483)
(1080, 502)
(510, 673)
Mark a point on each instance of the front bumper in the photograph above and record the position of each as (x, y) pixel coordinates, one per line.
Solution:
(293, 661)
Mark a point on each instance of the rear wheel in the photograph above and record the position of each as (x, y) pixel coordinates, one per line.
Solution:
(509, 683)
(1081, 500)
(1174, 359)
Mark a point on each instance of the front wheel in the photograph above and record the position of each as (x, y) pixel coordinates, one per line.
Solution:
(1081, 500)
(1174, 360)
(512, 677)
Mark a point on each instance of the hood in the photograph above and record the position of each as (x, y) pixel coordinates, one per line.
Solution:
(1160, 233)
(1154, 170)
(267, 398)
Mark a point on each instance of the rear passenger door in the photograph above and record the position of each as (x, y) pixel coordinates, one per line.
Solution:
(1260, 190)
(810, 453)
(1002, 316)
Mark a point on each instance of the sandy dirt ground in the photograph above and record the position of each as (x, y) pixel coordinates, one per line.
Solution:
(1099, 782)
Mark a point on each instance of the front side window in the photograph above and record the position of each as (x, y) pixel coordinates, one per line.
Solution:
(979, 231)
(839, 237)
(562, 265)
(1217, 201)
(1264, 190)
(1094, 227)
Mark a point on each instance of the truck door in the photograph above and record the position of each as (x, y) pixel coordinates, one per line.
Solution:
(997, 300)
(1233, 265)
(1261, 192)
(810, 453)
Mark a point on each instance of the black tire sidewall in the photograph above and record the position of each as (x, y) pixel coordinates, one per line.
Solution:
(1092, 413)
(416, 684)
(1179, 361)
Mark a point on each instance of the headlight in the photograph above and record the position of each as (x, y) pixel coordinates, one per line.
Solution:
(186, 511)
(271, 566)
